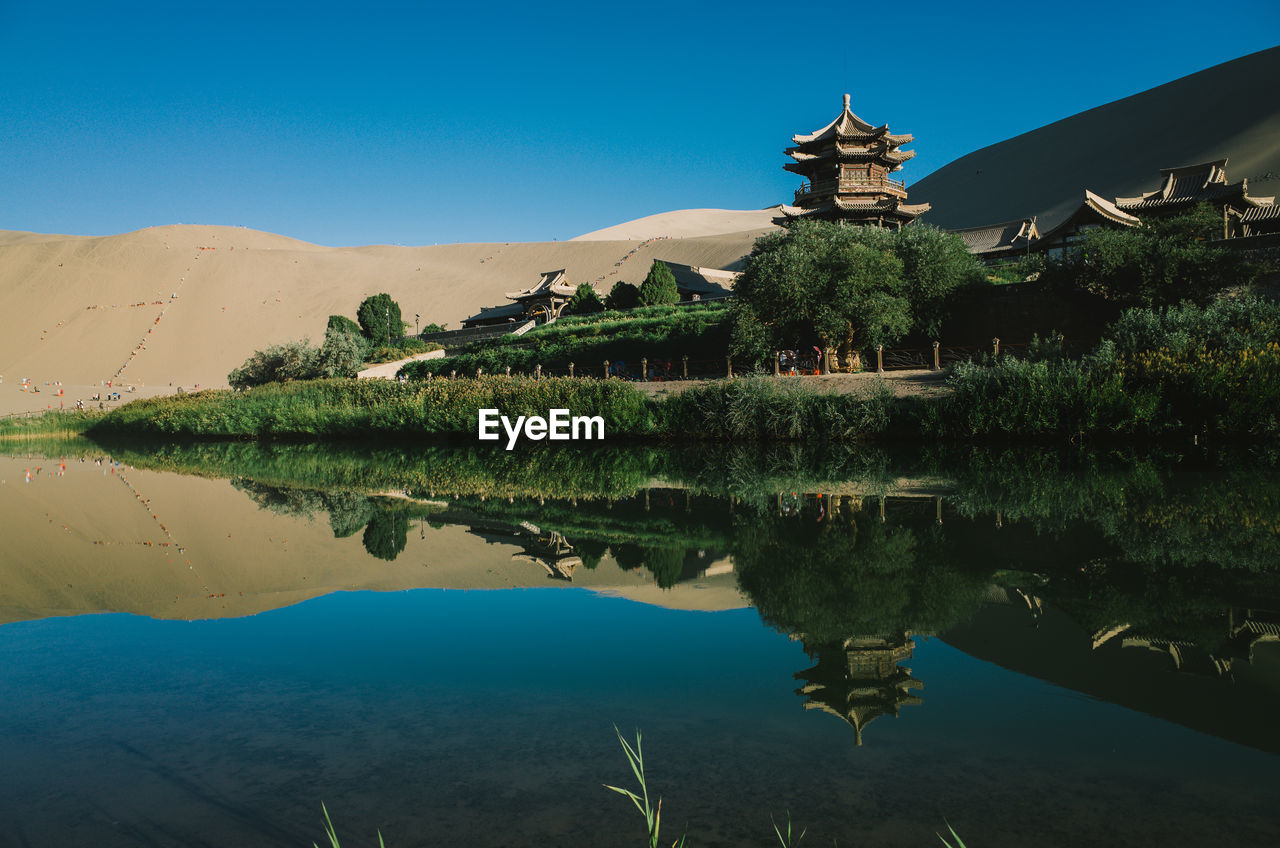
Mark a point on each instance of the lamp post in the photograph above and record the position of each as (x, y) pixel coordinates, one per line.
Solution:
(388, 324)
(416, 316)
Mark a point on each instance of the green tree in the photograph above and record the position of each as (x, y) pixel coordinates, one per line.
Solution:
(342, 354)
(380, 320)
(386, 534)
(823, 281)
(1160, 263)
(659, 286)
(935, 263)
(343, 323)
(622, 296)
(585, 301)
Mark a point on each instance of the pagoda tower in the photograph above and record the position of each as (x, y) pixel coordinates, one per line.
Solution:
(847, 164)
(860, 679)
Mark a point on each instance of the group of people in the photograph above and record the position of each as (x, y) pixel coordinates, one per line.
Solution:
(791, 362)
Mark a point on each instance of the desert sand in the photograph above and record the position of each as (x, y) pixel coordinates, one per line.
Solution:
(688, 223)
(182, 305)
(1117, 149)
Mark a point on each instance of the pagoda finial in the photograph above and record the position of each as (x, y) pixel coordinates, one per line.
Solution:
(846, 103)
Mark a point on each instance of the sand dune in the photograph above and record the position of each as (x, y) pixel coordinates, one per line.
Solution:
(688, 223)
(1118, 148)
(183, 305)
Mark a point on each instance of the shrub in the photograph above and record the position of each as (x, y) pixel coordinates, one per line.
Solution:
(585, 301)
(622, 296)
(278, 363)
(659, 286)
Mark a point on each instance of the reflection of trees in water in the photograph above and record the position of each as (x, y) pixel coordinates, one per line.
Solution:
(386, 534)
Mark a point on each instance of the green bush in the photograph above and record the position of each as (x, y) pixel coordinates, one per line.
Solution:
(622, 296)
(585, 301)
(659, 286)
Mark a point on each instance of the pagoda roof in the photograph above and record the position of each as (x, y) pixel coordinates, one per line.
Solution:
(997, 237)
(1190, 184)
(1261, 213)
(551, 283)
(847, 125)
(1099, 206)
(888, 206)
(884, 152)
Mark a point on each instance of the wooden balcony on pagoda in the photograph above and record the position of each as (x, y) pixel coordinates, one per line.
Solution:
(883, 185)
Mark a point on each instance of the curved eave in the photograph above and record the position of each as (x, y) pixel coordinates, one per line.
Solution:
(1109, 210)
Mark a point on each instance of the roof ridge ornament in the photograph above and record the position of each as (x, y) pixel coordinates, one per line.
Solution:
(846, 103)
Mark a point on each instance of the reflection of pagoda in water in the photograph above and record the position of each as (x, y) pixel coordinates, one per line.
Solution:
(860, 679)
(549, 549)
(1246, 629)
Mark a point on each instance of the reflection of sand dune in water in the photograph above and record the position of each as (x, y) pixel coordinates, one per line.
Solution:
(104, 539)
(80, 309)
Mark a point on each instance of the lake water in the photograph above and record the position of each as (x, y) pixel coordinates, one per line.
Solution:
(202, 644)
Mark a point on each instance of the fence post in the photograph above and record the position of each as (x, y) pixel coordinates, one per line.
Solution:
(606, 369)
(728, 365)
(995, 346)
(479, 372)
(937, 360)
(879, 359)
(826, 361)
(508, 370)
(537, 371)
(855, 361)
(570, 369)
(777, 367)
(644, 369)
(685, 363)
(453, 375)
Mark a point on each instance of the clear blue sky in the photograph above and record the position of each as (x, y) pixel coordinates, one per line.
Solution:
(418, 123)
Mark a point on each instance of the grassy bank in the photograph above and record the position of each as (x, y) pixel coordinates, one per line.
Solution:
(744, 410)
(47, 425)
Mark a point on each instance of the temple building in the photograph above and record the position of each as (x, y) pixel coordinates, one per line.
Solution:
(1190, 185)
(1181, 189)
(543, 302)
(998, 242)
(861, 679)
(1094, 211)
(847, 164)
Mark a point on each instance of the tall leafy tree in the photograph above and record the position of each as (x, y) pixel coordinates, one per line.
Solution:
(1160, 263)
(380, 319)
(659, 286)
(819, 281)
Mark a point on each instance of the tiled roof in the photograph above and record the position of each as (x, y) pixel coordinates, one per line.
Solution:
(552, 282)
(999, 236)
(848, 125)
(1261, 213)
(488, 313)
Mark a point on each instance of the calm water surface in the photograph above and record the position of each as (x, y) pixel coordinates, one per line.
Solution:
(200, 645)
